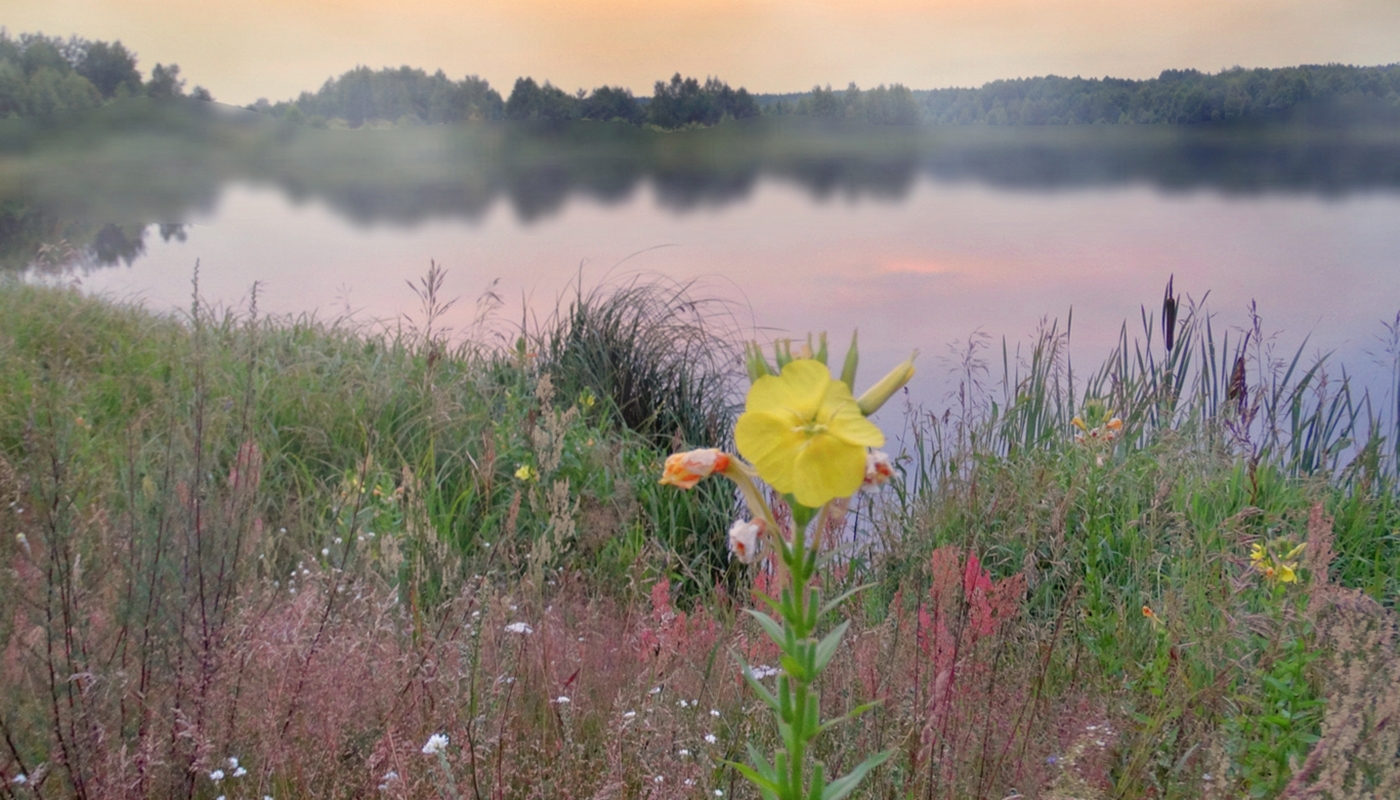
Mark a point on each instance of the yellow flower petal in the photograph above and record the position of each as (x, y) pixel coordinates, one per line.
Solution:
(805, 435)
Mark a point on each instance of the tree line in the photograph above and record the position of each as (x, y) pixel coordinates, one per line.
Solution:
(1175, 96)
(411, 96)
(43, 75)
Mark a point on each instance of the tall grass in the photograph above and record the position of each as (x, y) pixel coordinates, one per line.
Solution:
(309, 545)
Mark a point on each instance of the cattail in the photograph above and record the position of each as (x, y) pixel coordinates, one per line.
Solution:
(1237, 389)
(1169, 307)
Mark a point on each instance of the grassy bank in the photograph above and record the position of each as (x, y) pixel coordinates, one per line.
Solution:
(309, 547)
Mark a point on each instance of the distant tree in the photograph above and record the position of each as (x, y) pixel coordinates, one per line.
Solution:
(165, 82)
(821, 103)
(14, 90)
(892, 106)
(201, 93)
(40, 52)
(528, 100)
(109, 67)
(608, 103)
(469, 99)
(51, 91)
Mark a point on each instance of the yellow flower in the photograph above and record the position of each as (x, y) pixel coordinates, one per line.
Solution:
(1257, 554)
(526, 472)
(805, 434)
(1273, 568)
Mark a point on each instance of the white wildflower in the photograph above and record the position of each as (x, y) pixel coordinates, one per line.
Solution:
(745, 540)
(714, 712)
(216, 776)
(877, 468)
(519, 627)
(240, 772)
(436, 744)
(562, 700)
(710, 738)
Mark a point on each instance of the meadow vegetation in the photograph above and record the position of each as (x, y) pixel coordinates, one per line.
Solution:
(244, 556)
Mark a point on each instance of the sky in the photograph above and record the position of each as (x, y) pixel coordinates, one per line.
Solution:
(245, 49)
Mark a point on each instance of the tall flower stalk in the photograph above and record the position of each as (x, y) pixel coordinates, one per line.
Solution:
(805, 434)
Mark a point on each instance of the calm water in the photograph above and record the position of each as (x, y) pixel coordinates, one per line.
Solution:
(923, 254)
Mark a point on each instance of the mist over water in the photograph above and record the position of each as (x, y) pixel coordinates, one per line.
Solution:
(919, 237)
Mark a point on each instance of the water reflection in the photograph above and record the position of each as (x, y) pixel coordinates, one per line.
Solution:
(80, 191)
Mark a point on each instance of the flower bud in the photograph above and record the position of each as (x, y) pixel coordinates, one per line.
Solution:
(746, 540)
(684, 470)
(755, 362)
(848, 370)
(876, 395)
(877, 468)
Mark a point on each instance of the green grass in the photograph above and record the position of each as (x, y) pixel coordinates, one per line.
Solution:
(302, 540)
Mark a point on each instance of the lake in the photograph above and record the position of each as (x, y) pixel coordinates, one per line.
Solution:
(920, 238)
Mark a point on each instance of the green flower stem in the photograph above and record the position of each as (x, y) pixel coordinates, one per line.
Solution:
(796, 702)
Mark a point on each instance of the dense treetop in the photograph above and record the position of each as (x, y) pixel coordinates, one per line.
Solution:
(1175, 96)
(43, 75)
(412, 96)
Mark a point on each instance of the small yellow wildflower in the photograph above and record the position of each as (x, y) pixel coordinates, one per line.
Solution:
(805, 434)
(1273, 568)
(526, 473)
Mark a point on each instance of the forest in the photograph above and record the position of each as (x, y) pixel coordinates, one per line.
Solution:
(1176, 96)
(45, 75)
(41, 75)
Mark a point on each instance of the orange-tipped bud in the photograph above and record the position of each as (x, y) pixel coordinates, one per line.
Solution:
(686, 469)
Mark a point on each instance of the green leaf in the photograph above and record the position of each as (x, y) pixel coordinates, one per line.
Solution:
(760, 763)
(843, 786)
(770, 626)
(818, 781)
(841, 598)
(852, 714)
(758, 689)
(794, 668)
(827, 647)
(767, 788)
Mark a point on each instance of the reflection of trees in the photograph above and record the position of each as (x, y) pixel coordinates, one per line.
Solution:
(139, 163)
(34, 239)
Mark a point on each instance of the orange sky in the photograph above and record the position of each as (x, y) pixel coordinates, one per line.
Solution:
(245, 49)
